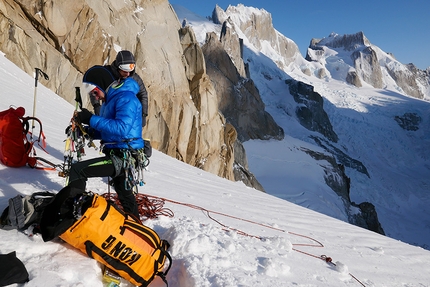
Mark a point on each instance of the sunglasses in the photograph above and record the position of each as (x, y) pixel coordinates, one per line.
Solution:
(95, 92)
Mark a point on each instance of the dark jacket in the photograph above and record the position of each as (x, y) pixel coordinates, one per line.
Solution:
(142, 94)
(120, 119)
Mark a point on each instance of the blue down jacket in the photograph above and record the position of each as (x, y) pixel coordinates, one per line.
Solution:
(120, 119)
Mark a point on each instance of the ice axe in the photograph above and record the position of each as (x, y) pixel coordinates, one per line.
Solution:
(36, 78)
(78, 98)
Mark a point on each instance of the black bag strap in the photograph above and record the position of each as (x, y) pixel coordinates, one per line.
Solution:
(58, 215)
(163, 249)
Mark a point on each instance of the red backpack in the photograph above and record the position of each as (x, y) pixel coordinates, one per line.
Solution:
(16, 143)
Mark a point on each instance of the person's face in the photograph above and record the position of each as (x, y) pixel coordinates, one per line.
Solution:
(97, 94)
(123, 74)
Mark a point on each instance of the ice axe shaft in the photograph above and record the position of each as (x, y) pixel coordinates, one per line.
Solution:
(36, 78)
(78, 98)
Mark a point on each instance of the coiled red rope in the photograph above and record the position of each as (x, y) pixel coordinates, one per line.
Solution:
(149, 207)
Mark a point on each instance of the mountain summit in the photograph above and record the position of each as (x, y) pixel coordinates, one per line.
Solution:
(360, 63)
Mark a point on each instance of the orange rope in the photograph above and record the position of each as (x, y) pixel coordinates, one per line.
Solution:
(148, 208)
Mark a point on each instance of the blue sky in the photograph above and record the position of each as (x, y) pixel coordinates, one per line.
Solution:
(396, 26)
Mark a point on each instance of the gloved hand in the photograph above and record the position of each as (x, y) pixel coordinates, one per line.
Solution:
(95, 103)
(90, 131)
(84, 116)
(97, 108)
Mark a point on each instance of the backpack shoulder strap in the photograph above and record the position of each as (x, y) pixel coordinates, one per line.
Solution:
(41, 137)
(16, 212)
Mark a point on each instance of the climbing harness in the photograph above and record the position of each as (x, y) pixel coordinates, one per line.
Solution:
(134, 163)
(131, 161)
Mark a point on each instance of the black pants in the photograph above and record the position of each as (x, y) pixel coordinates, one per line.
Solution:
(101, 167)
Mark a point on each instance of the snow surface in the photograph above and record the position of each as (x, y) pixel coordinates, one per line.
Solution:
(280, 243)
(397, 160)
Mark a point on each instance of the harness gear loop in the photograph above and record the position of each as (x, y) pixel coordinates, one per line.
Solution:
(132, 162)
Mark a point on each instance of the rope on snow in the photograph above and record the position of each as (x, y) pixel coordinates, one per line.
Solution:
(153, 206)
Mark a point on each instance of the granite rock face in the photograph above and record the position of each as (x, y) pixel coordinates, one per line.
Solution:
(239, 99)
(65, 38)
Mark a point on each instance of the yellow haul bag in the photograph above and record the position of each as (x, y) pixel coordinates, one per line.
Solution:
(126, 246)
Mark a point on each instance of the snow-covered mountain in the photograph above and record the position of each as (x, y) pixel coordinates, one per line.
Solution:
(382, 131)
(282, 244)
(352, 58)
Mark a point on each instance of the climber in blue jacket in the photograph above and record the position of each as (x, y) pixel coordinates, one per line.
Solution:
(119, 127)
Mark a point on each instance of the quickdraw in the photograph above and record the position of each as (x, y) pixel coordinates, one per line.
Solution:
(133, 162)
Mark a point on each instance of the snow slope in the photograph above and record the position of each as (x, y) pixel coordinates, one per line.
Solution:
(291, 239)
(397, 160)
